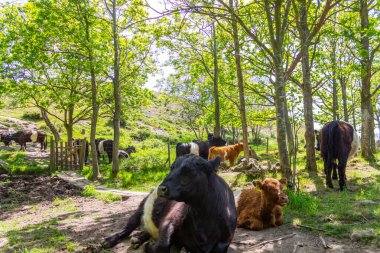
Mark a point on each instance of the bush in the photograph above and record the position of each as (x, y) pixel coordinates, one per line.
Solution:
(32, 116)
(141, 135)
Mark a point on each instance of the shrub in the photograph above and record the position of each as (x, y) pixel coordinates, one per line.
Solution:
(32, 116)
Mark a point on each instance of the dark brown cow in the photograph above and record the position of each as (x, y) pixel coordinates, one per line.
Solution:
(192, 209)
(24, 136)
(337, 140)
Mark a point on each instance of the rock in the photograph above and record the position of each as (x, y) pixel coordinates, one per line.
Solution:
(3, 242)
(361, 234)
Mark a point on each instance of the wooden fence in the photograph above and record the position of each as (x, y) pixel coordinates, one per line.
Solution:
(67, 157)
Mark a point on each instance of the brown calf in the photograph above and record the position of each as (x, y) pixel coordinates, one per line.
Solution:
(230, 152)
(262, 209)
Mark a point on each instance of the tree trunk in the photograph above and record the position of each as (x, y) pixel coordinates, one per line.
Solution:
(367, 118)
(95, 105)
(50, 125)
(116, 93)
(239, 75)
(343, 86)
(378, 123)
(68, 124)
(216, 79)
(280, 122)
(335, 108)
(311, 163)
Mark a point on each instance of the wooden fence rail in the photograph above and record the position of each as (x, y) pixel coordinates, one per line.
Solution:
(66, 156)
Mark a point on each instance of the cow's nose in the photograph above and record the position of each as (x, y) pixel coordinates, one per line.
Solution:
(162, 190)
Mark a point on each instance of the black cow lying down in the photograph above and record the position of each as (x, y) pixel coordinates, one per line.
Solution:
(193, 208)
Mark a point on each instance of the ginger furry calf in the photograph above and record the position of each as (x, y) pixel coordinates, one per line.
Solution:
(230, 152)
(262, 209)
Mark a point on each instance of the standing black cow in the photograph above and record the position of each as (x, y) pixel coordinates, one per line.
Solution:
(106, 147)
(200, 148)
(77, 143)
(337, 141)
(193, 208)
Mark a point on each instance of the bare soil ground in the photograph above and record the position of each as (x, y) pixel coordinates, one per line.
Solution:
(47, 214)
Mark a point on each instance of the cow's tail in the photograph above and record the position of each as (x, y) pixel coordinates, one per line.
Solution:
(133, 222)
(332, 140)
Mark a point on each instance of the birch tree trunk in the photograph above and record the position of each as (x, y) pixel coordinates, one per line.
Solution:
(239, 74)
(116, 93)
(367, 117)
(216, 79)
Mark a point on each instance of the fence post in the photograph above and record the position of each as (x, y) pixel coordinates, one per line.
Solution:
(169, 151)
(267, 145)
(71, 156)
(52, 154)
(61, 147)
(66, 156)
(82, 152)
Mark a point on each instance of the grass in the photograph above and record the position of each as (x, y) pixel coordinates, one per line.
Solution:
(18, 164)
(108, 197)
(38, 238)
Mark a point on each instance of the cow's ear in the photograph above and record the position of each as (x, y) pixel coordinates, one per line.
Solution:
(283, 181)
(214, 163)
(257, 183)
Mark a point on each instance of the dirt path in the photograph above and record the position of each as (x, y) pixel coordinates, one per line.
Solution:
(45, 212)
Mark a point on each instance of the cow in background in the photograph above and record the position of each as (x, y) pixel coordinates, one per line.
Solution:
(200, 148)
(230, 152)
(193, 209)
(104, 146)
(337, 140)
(79, 143)
(24, 136)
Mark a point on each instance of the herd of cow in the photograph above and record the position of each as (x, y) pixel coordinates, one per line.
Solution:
(103, 146)
(194, 209)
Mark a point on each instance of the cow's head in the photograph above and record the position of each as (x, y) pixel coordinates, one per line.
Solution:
(217, 141)
(272, 189)
(6, 138)
(130, 149)
(317, 135)
(188, 179)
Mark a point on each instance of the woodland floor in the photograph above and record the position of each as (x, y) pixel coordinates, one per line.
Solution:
(47, 214)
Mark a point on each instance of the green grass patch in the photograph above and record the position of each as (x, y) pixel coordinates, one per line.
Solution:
(43, 237)
(89, 191)
(18, 164)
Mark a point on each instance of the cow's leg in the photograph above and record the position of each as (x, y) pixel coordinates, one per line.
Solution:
(279, 216)
(132, 224)
(164, 242)
(334, 172)
(221, 247)
(109, 154)
(328, 169)
(342, 173)
(232, 161)
(139, 239)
